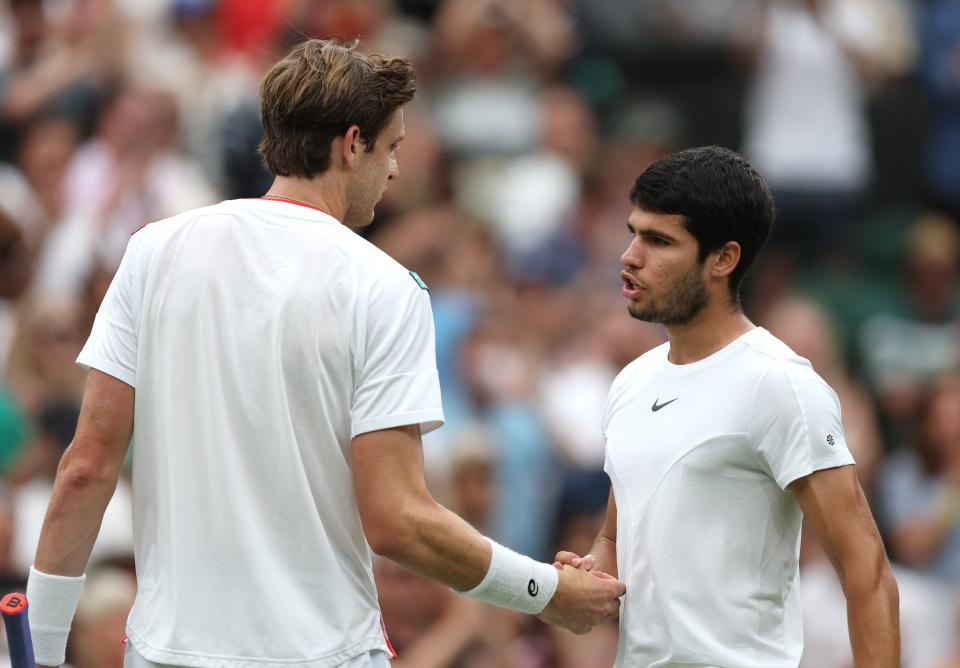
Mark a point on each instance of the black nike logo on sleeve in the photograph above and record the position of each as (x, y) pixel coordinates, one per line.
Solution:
(657, 406)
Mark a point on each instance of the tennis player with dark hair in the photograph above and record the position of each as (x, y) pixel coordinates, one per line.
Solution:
(719, 443)
(275, 372)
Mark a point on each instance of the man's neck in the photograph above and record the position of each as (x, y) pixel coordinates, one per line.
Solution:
(322, 192)
(714, 327)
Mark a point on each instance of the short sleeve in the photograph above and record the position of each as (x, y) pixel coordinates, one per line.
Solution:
(795, 424)
(397, 380)
(112, 345)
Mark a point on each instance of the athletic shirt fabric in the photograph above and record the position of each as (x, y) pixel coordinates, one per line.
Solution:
(700, 456)
(261, 336)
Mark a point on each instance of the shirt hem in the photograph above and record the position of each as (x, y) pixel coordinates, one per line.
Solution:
(428, 420)
(791, 476)
(94, 361)
(195, 660)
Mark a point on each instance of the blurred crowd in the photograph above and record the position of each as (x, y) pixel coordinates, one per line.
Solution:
(533, 117)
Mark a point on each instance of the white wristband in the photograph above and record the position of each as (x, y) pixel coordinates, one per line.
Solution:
(516, 582)
(53, 600)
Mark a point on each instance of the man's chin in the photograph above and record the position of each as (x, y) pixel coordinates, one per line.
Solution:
(639, 314)
(358, 222)
(646, 314)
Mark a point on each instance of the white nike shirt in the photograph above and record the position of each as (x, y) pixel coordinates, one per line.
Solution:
(261, 336)
(700, 456)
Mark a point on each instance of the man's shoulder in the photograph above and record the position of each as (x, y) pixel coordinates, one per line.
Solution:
(763, 351)
(380, 271)
(164, 226)
(780, 374)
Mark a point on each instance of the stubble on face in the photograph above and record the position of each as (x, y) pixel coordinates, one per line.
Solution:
(373, 173)
(682, 302)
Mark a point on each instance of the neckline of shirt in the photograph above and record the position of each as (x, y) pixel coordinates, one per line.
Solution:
(670, 368)
(302, 205)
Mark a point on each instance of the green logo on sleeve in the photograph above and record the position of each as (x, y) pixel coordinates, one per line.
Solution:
(416, 277)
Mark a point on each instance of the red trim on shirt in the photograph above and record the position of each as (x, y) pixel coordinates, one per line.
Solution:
(273, 198)
(393, 652)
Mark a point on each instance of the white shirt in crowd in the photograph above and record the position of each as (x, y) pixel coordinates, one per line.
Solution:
(806, 120)
(700, 456)
(261, 337)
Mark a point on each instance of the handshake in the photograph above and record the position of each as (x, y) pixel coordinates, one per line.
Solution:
(583, 598)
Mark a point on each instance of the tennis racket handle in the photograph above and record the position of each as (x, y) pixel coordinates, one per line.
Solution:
(14, 608)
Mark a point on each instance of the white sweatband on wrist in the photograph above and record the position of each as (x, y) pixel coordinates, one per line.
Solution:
(53, 600)
(516, 582)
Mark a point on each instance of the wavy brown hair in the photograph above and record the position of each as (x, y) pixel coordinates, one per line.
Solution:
(320, 89)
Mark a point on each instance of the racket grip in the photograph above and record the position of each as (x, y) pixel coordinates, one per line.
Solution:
(16, 622)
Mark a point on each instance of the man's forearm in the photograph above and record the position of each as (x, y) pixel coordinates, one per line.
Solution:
(873, 615)
(70, 528)
(605, 550)
(437, 543)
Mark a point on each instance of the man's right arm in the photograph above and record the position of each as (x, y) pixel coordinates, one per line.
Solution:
(403, 522)
(603, 555)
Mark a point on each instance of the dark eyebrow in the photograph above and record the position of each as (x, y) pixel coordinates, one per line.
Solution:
(650, 233)
(656, 234)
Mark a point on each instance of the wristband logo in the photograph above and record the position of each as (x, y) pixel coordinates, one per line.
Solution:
(532, 588)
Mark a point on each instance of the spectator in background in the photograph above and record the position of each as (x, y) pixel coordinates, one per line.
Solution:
(806, 127)
(501, 366)
(939, 37)
(921, 487)
(35, 197)
(904, 350)
(64, 58)
(529, 196)
(33, 183)
(41, 368)
(130, 173)
(209, 84)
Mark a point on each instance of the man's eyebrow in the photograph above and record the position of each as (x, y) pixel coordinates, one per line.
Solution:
(657, 234)
(648, 232)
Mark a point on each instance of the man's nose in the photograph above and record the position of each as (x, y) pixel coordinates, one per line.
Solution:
(631, 256)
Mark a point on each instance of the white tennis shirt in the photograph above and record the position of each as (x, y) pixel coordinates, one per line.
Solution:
(708, 538)
(261, 336)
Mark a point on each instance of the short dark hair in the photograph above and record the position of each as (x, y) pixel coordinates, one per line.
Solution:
(720, 196)
(316, 92)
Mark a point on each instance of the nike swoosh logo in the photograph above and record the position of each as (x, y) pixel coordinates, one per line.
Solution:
(657, 407)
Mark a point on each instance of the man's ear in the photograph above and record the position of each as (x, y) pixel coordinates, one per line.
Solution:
(725, 259)
(349, 146)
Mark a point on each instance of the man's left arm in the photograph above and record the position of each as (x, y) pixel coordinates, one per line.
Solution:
(836, 510)
(86, 480)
